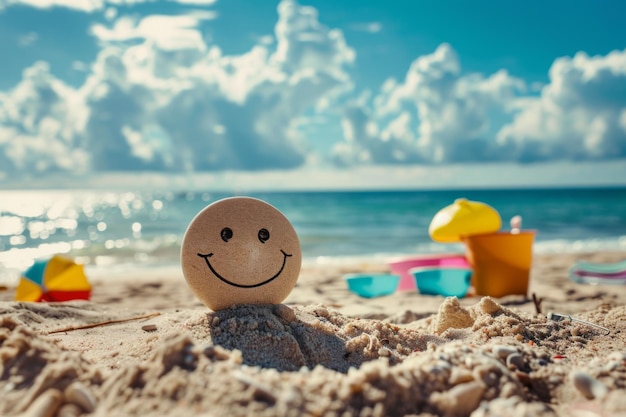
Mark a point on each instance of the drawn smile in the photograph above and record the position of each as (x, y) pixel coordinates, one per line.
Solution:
(267, 281)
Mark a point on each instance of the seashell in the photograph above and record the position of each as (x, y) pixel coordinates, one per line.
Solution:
(80, 395)
(384, 352)
(460, 400)
(149, 328)
(503, 351)
(517, 361)
(460, 376)
(486, 374)
(588, 386)
(69, 410)
(612, 366)
(45, 405)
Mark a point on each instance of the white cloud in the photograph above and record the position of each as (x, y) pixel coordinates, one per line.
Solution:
(265, 40)
(81, 5)
(304, 43)
(167, 32)
(185, 105)
(579, 115)
(38, 121)
(90, 6)
(196, 2)
(27, 39)
(110, 13)
(160, 96)
(436, 114)
(87, 6)
(79, 66)
(369, 27)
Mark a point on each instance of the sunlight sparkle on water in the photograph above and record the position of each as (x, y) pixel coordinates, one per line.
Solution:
(24, 258)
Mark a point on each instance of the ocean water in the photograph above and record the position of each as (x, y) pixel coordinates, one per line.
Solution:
(105, 230)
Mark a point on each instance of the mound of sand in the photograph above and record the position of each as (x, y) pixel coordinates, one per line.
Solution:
(326, 352)
(291, 360)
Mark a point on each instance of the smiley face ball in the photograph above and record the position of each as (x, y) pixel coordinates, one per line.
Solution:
(240, 250)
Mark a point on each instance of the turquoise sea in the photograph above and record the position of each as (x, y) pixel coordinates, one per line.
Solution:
(144, 229)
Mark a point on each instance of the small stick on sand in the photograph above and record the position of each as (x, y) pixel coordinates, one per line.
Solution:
(537, 302)
(103, 323)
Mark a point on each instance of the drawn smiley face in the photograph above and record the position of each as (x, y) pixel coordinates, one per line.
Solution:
(240, 250)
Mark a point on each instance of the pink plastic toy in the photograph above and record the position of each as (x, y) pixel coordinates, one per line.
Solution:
(401, 266)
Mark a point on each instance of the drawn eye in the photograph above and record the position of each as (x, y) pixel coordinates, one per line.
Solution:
(226, 234)
(264, 235)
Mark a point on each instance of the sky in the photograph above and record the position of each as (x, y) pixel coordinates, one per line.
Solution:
(312, 94)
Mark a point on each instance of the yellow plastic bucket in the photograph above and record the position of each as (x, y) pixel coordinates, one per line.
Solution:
(501, 262)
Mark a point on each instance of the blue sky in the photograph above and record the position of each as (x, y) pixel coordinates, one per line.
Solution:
(313, 94)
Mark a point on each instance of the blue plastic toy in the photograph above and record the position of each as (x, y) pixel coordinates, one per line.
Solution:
(595, 273)
(372, 285)
(449, 282)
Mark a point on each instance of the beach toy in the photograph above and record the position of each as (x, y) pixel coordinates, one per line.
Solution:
(372, 285)
(597, 273)
(566, 317)
(402, 266)
(501, 262)
(240, 250)
(449, 282)
(56, 279)
(463, 218)
(516, 224)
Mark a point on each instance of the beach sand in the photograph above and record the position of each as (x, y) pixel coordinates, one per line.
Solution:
(324, 352)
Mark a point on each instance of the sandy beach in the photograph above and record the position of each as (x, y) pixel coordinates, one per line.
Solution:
(324, 352)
